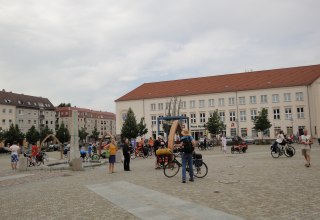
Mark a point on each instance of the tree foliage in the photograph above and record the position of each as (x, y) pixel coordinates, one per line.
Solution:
(32, 135)
(142, 127)
(214, 124)
(261, 122)
(45, 132)
(95, 134)
(13, 135)
(130, 128)
(64, 105)
(63, 134)
(83, 134)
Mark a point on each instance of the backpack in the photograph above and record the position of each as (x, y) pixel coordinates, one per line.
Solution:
(187, 146)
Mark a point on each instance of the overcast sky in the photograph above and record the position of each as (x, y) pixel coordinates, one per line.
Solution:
(91, 52)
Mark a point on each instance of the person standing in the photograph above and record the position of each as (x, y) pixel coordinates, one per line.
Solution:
(151, 144)
(224, 143)
(126, 155)
(14, 155)
(187, 148)
(112, 147)
(306, 142)
(90, 150)
(34, 152)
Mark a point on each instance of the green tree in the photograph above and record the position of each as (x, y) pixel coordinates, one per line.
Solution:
(142, 127)
(214, 124)
(44, 133)
(32, 135)
(261, 122)
(63, 134)
(64, 105)
(95, 134)
(130, 127)
(83, 134)
(13, 134)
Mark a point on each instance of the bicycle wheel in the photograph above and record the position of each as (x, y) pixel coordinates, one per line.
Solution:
(275, 152)
(38, 162)
(133, 155)
(289, 151)
(171, 169)
(200, 171)
(232, 149)
(94, 157)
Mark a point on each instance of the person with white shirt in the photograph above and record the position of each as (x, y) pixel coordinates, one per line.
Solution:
(14, 155)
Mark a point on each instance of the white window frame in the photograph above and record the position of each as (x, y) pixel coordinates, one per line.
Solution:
(242, 100)
(231, 101)
(153, 107)
(287, 97)
(299, 96)
(300, 112)
(275, 98)
(288, 113)
(232, 115)
(183, 105)
(276, 113)
(211, 102)
(263, 99)
(253, 114)
(192, 104)
(160, 106)
(202, 117)
(222, 116)
(193, 118)
(221, 101)
(243, 115)
(153, 119)
(253, 99)
(202, 103)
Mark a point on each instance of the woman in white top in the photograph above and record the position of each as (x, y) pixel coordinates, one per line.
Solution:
(224, 143)
(14, 155)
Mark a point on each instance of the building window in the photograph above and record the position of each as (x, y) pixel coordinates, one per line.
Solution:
(242, 100)
(243, 116)
(29, 122)
(160, 121)
(244, 132)
(231, 100)
(276, 113)
(35, 113)
(211, 102)
(192, 104)
(183, 105)
(160, 106)
(288, 113)
(153, 120)
(3, 121)
(253, 113)
(300, 112)
(232, 115)
(233, 131)
(10, 111)
(275, 98)
(201, 104)
(221, 101)
(253, 100)
(153, 107)
(167, 105)
(193, 118)
(299, 96)
(287, 97)
(10, 121)
(202, 117)
(35, 122)
(264, 99)
(3, 110)
(222, 116)
(184, 120)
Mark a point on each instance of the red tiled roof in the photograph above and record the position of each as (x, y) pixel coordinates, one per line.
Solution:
(93, 113)
(266, 79)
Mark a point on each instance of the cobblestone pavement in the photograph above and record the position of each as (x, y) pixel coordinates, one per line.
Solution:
(252, 186)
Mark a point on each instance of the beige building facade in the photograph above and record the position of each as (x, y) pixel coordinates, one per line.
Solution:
(292, 106)
(87, 119)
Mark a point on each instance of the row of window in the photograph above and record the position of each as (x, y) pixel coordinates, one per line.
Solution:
(242, 115)
(232, 101)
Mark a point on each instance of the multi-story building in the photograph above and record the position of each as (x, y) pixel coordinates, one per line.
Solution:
(290, 95)
(25, 111)
(87, 119)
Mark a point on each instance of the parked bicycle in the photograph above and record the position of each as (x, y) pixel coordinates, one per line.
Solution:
(142, 152)
(286, 149)
(200, 168)
(33, 162)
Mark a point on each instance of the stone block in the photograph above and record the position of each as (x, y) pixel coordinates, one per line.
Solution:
(76, 164)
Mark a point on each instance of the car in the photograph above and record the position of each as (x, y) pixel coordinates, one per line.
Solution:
(54, 147)
(4, 150)
(249, 140)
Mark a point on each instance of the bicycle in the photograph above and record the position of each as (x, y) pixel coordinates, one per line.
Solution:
(144, 152)
(200, 168)
(286, 149)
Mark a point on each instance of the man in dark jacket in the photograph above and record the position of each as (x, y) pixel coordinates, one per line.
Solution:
(126, 155)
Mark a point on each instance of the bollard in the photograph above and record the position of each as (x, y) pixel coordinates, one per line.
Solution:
(23, 164)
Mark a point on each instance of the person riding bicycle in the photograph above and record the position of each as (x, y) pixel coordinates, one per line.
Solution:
(34, 152)
(90, 149)
(280, 140)
(83, 153)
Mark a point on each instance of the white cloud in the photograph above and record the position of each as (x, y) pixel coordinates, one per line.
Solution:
(90, 53)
